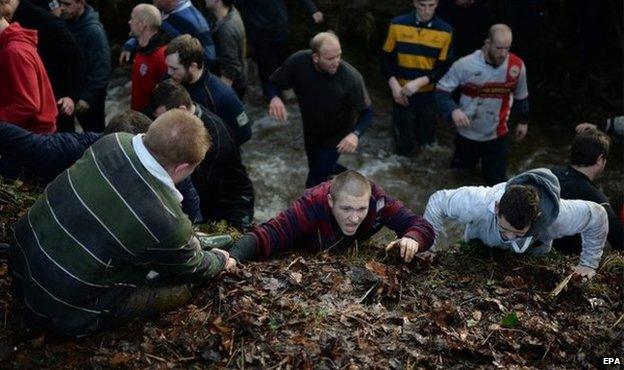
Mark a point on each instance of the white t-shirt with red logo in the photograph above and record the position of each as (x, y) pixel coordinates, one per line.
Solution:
(487, 93)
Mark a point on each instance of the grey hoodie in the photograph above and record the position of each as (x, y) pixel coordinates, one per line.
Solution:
(475, 207)
(549, 190)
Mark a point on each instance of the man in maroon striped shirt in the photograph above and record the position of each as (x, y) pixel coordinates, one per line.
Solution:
(336, 214)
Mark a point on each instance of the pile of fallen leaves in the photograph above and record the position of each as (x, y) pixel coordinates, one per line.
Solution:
(473, 306)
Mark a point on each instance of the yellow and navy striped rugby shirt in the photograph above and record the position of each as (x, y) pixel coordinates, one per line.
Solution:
(412, 48)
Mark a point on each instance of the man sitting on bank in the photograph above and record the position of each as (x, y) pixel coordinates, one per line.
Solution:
(81, 255)
(337, 214)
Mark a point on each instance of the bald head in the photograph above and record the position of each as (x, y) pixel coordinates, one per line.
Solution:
(323, 40)
(498, 44)
(500, 31)
(148, 14)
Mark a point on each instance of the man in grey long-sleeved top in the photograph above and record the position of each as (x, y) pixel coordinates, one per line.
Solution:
(524, 214)
(228, 33)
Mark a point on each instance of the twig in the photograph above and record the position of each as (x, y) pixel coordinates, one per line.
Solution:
(547, 350)
(156, 358)
(241, 312)
(293, 262)
(488, 337)
(618, 321)
(361, 321)
(561, 286)
(368, 292)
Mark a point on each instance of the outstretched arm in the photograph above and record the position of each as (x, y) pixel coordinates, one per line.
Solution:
(586, 218)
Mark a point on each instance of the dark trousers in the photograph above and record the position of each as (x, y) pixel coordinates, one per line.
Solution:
(493, 156)
(268, 55)
(322, 164)
(414, 124)
(93, 119)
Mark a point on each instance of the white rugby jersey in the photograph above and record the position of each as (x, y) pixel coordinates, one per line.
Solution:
(487, 93)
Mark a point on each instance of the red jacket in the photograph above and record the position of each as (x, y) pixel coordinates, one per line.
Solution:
(26, 94)
(148, 69)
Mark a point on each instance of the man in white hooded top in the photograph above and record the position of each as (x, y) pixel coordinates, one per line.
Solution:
(525, 214)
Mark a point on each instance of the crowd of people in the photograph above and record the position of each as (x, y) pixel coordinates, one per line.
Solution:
(111, 236)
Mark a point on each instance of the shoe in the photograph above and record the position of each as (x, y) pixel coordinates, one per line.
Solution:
(220, 241)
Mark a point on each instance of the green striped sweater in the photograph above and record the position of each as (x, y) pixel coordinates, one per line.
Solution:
(95, 233)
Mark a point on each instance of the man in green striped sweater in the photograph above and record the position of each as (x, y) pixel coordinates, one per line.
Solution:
(81, 255)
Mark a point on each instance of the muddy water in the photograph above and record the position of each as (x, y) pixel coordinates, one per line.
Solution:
(277, 165)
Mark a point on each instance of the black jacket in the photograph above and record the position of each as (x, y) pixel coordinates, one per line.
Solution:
(93, 43)
(269, 18)
(575, 185)
(57, 47)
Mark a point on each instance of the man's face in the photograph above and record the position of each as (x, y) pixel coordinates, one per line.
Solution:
(497, 49)
(425, 9)
(509, 232)
(327, 60)
(177, 71)
(349, 211)
(71, 9)
(136, 24)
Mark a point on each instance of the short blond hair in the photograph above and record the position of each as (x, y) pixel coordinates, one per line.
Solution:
(149, 14)
(177, 137)
(351, 183)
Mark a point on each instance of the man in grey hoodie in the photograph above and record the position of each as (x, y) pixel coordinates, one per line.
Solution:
(522, 215)
(84, 24)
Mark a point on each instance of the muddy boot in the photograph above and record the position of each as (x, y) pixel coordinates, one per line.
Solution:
(153, 298)
(220, 241)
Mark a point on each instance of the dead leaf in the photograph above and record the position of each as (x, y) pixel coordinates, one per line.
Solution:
(295, 278)
(120, 358)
